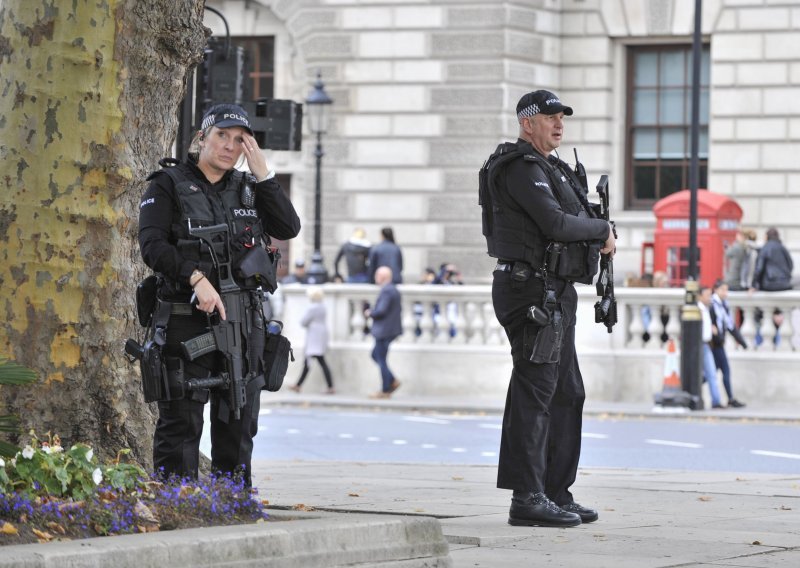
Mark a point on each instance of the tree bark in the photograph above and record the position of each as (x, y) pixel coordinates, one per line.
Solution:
(90, 92)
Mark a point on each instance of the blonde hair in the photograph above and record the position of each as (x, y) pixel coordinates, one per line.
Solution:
(194, 145)
(315, 294)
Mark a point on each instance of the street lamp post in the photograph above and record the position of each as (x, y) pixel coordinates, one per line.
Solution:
(318, 102)
(691, 318)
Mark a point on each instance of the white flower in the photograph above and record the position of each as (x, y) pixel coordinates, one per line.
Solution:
(89, 454)
(2, 463)
(27, 452)
(97, 476)
(46, 448)
(56, 449)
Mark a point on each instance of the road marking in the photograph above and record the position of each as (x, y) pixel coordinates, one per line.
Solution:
(425, 419)
(675, 444)
(399, 442)
(346, 436)
(491, 426)
(595, 436)
(373, 439)
(458, 450)
(775, 454)
(428, 446)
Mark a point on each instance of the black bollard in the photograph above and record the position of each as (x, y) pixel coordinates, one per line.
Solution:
(691, 346)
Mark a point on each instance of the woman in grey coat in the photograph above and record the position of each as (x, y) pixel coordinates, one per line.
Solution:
(314, 320)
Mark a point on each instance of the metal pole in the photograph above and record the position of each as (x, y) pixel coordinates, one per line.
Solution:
(317, 274)
(691, 318)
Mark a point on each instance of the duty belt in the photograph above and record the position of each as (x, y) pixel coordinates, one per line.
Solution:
(508, 266)
(181, 309)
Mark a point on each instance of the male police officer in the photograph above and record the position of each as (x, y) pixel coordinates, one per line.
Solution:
(540, 226)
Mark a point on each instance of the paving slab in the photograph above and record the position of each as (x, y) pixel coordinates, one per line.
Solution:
(648, 518)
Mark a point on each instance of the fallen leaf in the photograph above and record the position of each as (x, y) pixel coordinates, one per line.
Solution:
(785, 508)
(704, 498)
(756, 542)
(55, 527)
(144, 513)
(8, 528)
(45, 536)
(458, 478)
(419, 510)
(353, 495)
(265, 502)
(302, 507)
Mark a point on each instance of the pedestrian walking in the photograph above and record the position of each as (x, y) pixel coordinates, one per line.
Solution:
(723, 319)
(386, 327)
(708, 328)
(316, 324)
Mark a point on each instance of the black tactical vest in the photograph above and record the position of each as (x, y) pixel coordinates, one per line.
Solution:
(510, 233)
(202, 208)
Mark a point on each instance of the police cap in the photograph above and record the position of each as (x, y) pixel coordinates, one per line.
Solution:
(226, 116)
(540, 101)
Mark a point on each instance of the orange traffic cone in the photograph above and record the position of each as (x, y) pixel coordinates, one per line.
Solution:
(672, 380)
(672, 393)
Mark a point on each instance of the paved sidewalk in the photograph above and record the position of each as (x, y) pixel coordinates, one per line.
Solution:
(648, 518)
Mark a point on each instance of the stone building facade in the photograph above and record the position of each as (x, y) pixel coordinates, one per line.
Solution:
(424, 90)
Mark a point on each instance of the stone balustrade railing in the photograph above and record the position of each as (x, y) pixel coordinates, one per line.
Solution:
(452, 343)
(463, 315)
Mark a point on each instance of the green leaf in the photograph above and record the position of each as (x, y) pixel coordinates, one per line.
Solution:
(13, 374)
(8, 450)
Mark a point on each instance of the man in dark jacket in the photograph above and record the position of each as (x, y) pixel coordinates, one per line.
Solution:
(539, 226)
(356, 256)
(386, 253)
(774, 265)
(386, 327)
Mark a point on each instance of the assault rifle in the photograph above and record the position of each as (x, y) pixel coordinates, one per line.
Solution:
(605, 310)
(226, 336)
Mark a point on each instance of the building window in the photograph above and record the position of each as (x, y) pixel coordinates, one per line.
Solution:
(659, 96)
(259, 66)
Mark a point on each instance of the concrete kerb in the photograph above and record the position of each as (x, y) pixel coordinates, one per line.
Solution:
(495, 407)
(293, 539)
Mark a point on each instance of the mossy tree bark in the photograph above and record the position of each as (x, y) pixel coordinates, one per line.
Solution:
(90, 91)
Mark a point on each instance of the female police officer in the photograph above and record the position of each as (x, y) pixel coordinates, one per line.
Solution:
(203, 191)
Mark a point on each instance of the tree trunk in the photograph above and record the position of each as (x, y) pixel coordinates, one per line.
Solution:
(90, 91)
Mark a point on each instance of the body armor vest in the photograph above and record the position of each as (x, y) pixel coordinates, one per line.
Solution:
(253, 265)
(510, 233)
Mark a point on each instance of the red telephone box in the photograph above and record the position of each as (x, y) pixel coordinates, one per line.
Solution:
(718, 218)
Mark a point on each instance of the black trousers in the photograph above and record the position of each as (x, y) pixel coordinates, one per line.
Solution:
(176, 442)
(541, 438)
(325, 370)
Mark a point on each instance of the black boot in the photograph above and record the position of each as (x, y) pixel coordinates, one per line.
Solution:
(586, 514)
(536, 510)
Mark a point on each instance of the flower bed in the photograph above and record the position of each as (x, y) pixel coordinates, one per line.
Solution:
(48, 493)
